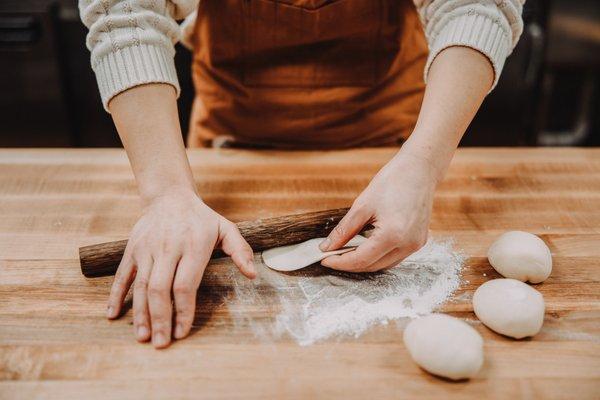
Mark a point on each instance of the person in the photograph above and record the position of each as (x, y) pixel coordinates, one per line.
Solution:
(286, 74)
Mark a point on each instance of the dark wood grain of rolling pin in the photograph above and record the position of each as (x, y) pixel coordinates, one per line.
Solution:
(103, 259)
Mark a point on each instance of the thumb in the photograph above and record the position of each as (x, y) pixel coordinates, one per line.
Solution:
(354, 220)
(235, 246)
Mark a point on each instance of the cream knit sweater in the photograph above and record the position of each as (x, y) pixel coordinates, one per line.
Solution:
(132, 41)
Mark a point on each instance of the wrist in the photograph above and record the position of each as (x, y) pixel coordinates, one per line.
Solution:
(428, 155)
(154, 192)
(421, 163)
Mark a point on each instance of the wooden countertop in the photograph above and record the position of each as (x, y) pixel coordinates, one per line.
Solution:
(56, 343)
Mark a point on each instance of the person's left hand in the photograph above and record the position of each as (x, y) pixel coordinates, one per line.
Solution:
(398, 204)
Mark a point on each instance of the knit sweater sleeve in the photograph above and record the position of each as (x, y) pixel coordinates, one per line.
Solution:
(132, 41)
(491, 27)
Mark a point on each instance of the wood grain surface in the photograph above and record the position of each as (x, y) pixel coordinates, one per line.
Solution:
(56, 344)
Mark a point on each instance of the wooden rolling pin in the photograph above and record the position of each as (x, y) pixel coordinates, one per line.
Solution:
(103, 259)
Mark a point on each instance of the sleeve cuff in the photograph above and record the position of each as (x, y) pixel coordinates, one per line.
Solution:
(477, 31)
(133, 66)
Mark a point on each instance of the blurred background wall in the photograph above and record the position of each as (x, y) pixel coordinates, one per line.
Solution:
(549, 87)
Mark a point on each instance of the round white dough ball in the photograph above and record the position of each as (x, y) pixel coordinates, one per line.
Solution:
(521, 255)
(444, 346)
(509, 307)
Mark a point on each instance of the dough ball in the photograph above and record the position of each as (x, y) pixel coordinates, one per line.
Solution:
(521, 255)
(444, 346)
(509, 307)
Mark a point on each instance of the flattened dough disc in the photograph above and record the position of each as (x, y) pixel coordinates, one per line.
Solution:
(297, 256)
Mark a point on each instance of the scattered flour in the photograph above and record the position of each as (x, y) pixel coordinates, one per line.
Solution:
(316, 304)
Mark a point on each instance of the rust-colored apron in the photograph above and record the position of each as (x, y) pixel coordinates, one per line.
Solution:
(306, 74)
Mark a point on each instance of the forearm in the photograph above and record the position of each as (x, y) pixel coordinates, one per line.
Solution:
(458, 81)
(148, 123)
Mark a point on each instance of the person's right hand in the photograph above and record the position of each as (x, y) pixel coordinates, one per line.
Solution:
(166, 255)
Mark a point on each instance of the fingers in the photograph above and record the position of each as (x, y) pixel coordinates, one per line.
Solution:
(347, 228)
(361, 258)
(235, 246)
(187, 280)
(121, 284)
(368, 256)
(391, 259)
(159, 298)
(141, 314)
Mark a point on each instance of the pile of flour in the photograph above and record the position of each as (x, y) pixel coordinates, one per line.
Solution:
(317, 304)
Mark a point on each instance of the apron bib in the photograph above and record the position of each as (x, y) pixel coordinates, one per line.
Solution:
(306, 74)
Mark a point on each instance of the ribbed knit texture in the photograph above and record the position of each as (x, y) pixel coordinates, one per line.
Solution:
(491, 27)
(132, 40)
(475, 31)
(132, 66)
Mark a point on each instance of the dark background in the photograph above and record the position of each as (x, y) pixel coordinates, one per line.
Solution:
(548, 93)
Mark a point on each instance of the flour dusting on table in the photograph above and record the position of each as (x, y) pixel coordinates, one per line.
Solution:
(318, 303)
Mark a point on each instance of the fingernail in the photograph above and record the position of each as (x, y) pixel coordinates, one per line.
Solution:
(109, 311)
(178, 331)
(325, 244)
(159, 339)
(142, 332)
